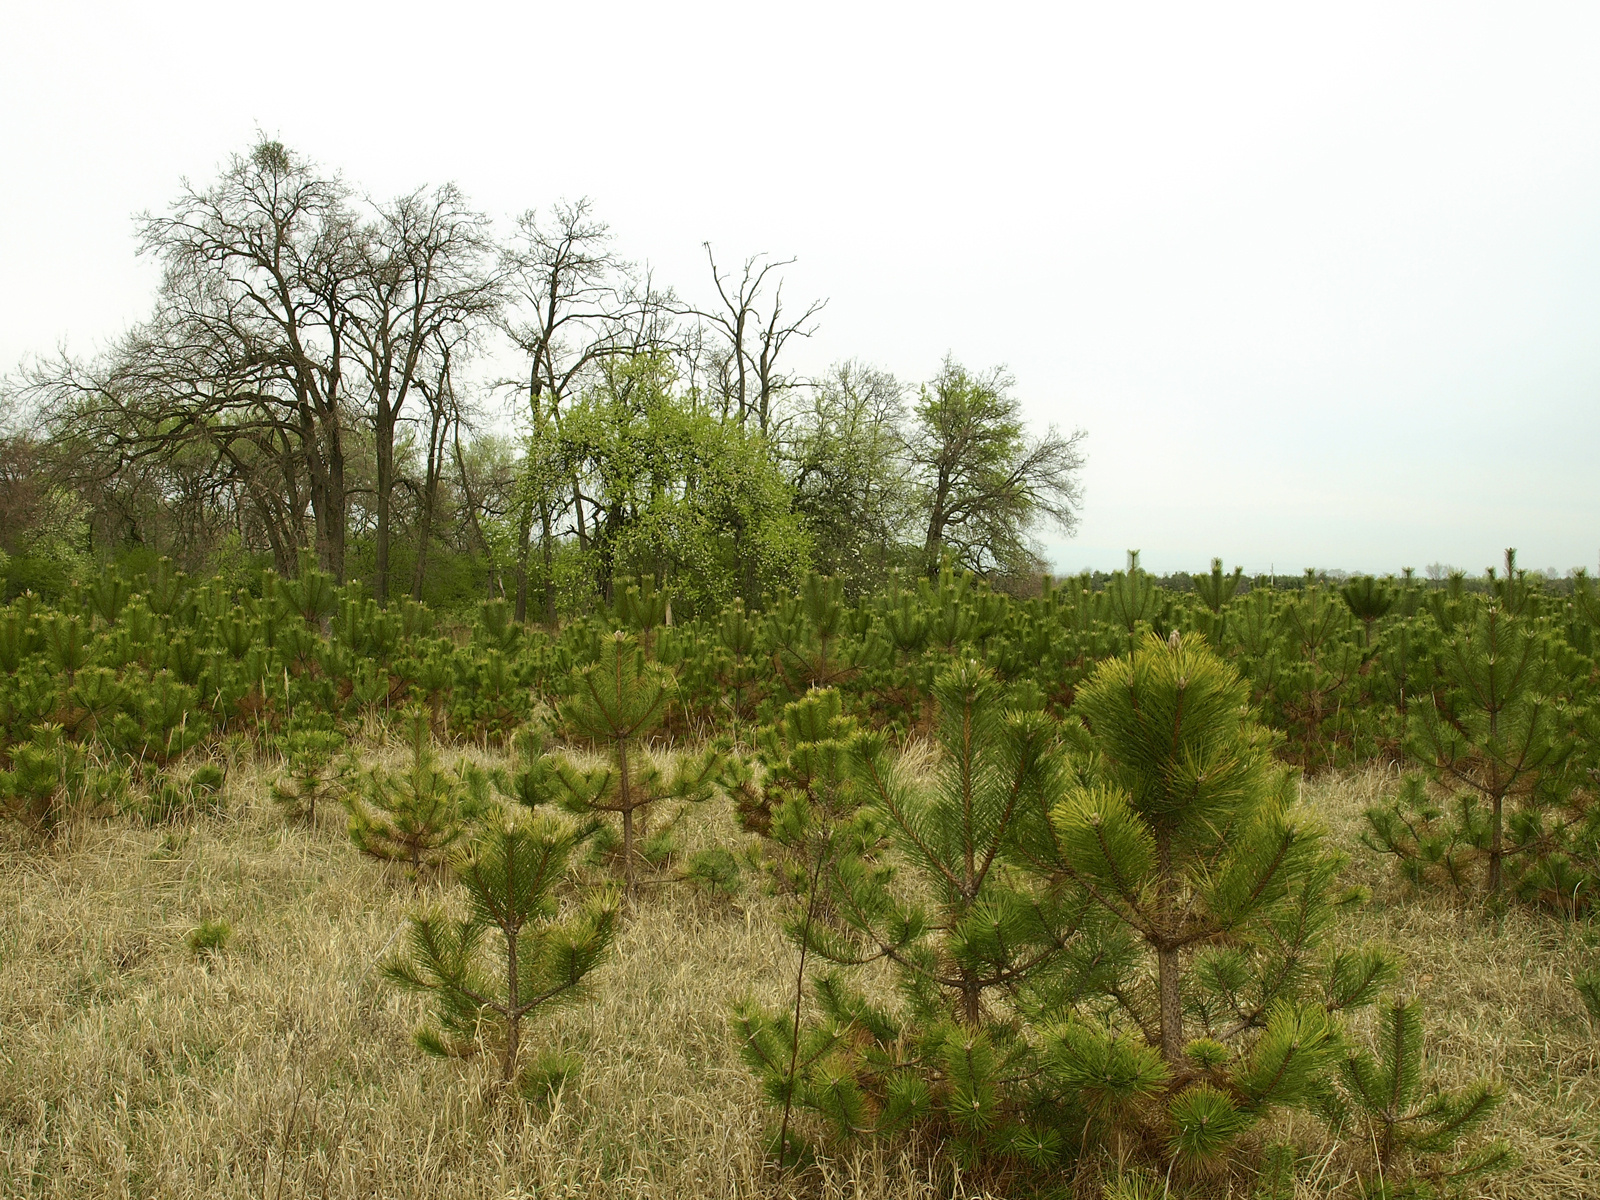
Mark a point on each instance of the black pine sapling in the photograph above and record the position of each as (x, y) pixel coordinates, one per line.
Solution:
(1498, 736)
(1216, 589)
(805, 802)
(617, 702)
(413, 816)
(487, 972)
(47, 773)
(162, 720)
(1186, 834)
(1587, 984)
(533, 776)
(1369, 600)
(951, 1059)
(1416, 1131)
(310, 777)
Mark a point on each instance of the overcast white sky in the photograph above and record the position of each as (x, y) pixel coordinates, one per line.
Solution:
(1321, 282)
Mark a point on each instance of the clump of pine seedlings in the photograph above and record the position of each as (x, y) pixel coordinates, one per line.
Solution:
(485, 973)
(617, 703)
(47, 771)
(209, 937)
(309, 779)
(1497, 740)
(1415, 1130)
(1133, 941)
(412, 816)
(963, 934)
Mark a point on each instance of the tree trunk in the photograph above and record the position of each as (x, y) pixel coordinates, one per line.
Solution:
(524, 548)
(1496, 844)
(384, 429)
(627, 815)
(971, 1001)
(1167, 974)
(508, 1065)
(933, 544)
(430, 499)
(547, 550)
(472, 514)
(1168, 966)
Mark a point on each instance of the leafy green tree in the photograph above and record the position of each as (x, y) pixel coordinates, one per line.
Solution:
(842, 443)
(984, 481)
(510, 955)
(677, 494)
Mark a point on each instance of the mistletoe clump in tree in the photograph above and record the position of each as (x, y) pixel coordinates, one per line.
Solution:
(512, 953)
(1184, 831)
(617, 702)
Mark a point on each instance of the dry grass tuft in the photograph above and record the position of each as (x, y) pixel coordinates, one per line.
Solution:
(280, 1065)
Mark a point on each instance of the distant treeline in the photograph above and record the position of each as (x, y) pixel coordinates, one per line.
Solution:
(321, 371)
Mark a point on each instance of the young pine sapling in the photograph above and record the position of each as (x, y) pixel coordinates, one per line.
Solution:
(617, 702)
(413, 816)
(1415, 1131)
(310, 777)
(1186, 833)
(511, 954)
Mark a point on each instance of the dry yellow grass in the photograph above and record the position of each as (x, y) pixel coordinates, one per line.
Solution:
(283, 1067)
(1498, 1004)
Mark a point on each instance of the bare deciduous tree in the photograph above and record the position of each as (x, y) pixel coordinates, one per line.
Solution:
(575, 302)
(747, 375)
(424, 288)
(261, 269)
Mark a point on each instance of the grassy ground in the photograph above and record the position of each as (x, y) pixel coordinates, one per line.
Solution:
(283, 1067)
